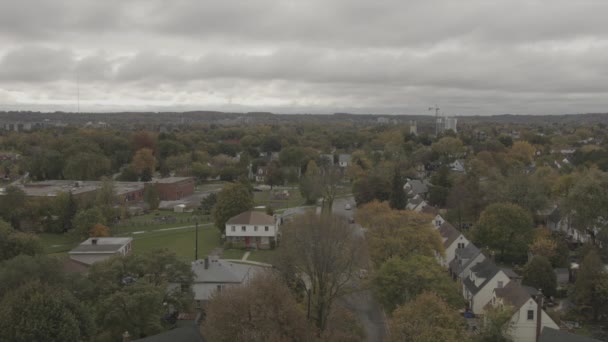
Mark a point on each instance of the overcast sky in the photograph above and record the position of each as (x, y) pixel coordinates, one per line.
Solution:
(306, 56)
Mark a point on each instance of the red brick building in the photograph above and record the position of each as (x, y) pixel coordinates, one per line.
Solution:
(174, 188)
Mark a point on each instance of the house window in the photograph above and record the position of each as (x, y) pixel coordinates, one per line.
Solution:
(255, 228)
(266, 228)
(233, 228)
(530, 315)
(461, 245)
(243, 228)
(500, 285)
(219, 288)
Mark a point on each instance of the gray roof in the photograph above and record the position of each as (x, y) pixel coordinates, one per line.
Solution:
(170, 180)
(222, 271)
(553, 335)
(108, 245)
(344, 158)
(449, 233)
(486, 269)
(510, 273)
(417, 187)
(252, 217)
(515, 294)
(467, 255)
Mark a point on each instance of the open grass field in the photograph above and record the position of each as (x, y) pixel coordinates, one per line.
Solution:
(157, 220)
(181, 242)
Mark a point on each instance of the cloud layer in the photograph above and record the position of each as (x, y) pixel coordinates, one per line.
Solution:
(470, 57)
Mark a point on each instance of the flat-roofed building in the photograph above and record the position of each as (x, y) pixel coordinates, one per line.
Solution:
(98, 249)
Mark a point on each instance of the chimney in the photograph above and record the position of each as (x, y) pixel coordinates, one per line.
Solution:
(206, 262)
(539, 313)
(93, 241)
(126, 337)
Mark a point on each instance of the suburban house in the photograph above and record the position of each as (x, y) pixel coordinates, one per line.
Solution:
(478, 286)
(214, 274)
(344, 160)
(457, 166)
(452, 241)
(464, 259)
(252, 229)
(437, 220)
(97, 249)
(528, 315)
(416, 204)
(260, 174)
(415, 187)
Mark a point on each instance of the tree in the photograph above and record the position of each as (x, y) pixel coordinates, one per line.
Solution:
(12, 205)
(274, 175)
(324, 250)
(448, 148)
(427, 318)
(398, 199)
(399, 281)
(496, 325)
(543, 244)
(506, 228)
(85, 220)
(397, 233)
(106, 199)
(309, 188)
(208, 202)
(38, 312)
(539, 274)
(13, 243)
(591, 286)
(151, 197)
(132, 294)
(86, 166)
(231, 201)
(99, 230)
(440, 187)
(144, 162)
(66, 208)
(587, 202)
(263, 310)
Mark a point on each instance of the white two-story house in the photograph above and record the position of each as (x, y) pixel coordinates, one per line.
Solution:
(525, 320)
(252, 229)
(478, 287)
(452, 241)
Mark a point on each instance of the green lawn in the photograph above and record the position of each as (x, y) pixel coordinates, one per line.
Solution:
(233, 254)
(179, 241)
(267, 198)
(266, 256)
(57, 243)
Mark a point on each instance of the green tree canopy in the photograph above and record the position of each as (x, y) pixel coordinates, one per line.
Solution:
(505, 228)
(85, 220)
(539, 274)
(13, 243)
(399, 281)
(232, 200)
(591, 287)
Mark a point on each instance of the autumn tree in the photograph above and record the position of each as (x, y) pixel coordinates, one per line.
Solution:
(448, 149)
(496, 325)
(85, 220)
(263, 310)
(40, 312)
(99, 230)
(587, 202)
(326, 252)
(152, 197)
(538, 273)
(543, 243)
(86, 166)
(399, 281)
(274, 175)
(426, 318)
(144, 163)
(505, 228)
(397, 233)
(231, 201)
(106, 199)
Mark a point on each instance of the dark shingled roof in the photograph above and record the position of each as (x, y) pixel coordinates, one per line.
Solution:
(417, 187)
(466, 254)
(552, 335)
(515, 294)
(486, 269)
(252, 217)
(448, 232)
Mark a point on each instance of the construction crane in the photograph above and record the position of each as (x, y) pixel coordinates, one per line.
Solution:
(436, 109)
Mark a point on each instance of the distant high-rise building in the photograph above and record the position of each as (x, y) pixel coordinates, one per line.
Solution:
(450, 123)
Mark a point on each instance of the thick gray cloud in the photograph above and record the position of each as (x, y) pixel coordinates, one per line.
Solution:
(385, 56)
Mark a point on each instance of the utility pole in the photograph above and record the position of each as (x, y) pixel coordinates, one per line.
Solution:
(436, 109)
(196, 242)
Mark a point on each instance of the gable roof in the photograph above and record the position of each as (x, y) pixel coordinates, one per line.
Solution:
(552, 335)
(449, 233)
(466, 255)
(417, 186)
(515, 294)
(486, 269)
(252, 217)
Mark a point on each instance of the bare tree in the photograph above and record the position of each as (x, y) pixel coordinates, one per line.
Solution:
(325, 254)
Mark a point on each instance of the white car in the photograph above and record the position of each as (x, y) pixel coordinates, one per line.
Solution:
(348, 206)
